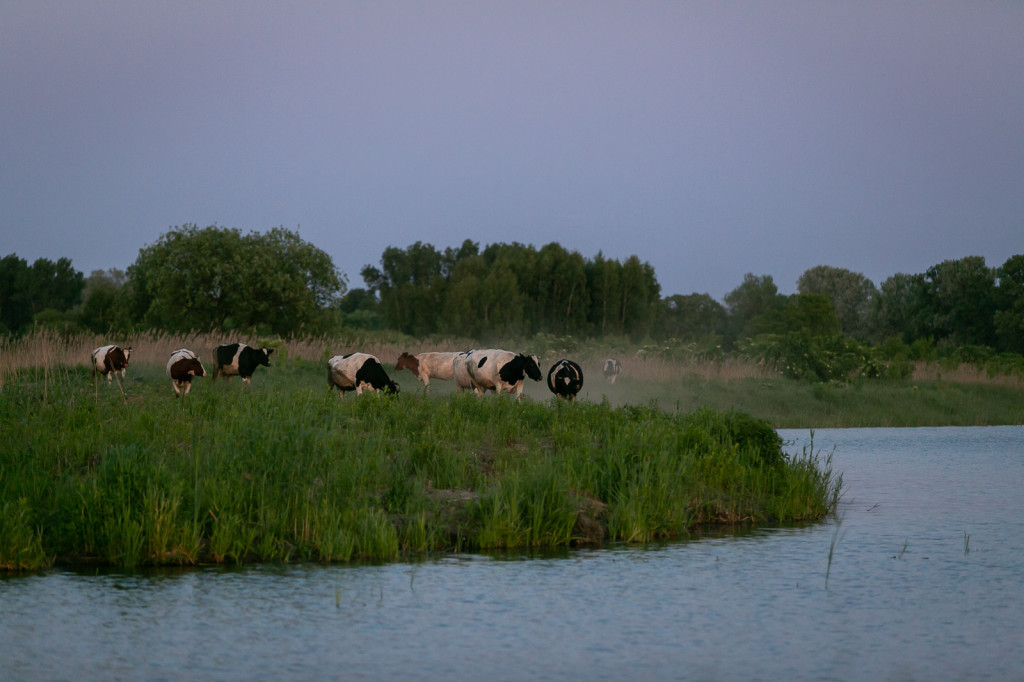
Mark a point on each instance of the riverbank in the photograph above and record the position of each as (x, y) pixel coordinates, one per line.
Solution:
(283, 471)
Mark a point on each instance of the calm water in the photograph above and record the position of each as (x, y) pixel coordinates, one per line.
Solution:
(908, 598)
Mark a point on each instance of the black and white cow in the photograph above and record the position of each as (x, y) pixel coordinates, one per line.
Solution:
(238, 359)
(358, 372)
(565, 379)
(183, 365)
(110, 360)
(612, 367)
(501, 371)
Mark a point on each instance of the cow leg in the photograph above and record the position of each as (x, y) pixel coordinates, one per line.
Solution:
(246, 380)
(174, 385)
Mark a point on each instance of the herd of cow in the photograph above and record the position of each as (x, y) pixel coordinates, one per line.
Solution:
(495, 370)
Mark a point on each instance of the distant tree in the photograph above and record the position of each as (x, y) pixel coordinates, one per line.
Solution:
(640, 295)
(901, 309)
(409, 283)
(962, 300)
(27, 291)
(218, 278)
(604, 279)
(851, 294)
(691, 318)
(102, 301)
(564, 300)
(1009, 317)
(15, 296)
(751, 304)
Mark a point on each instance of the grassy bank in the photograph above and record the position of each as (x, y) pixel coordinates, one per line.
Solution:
(284, 471)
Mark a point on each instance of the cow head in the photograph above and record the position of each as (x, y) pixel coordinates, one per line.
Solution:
(264, 357)
(531, 364)
(406, 361)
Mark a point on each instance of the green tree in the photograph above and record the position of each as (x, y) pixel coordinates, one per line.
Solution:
(693, 317)
(410, 285)
(851, 294)
(962, 301)
(604, 281)
(1009, 317)
(45, 286)
(218, 278)
(750, 305)
(901, 309)
(102, 301)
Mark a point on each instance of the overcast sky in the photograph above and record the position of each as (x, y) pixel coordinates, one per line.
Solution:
(710, 139)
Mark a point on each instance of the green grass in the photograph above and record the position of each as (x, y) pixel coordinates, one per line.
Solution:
(284, 471)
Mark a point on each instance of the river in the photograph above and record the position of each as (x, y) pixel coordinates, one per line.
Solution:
(924, 568)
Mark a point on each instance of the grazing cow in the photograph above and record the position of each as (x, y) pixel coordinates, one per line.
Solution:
(565, 379)
(460, 371)
(358, 372)
(183, 365)
(239, 359)
(427, 366)
(612, 367)
(110, 360)
(501, 370)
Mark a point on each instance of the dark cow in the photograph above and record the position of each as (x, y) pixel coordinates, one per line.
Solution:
(565, 379)
(501, 370)
(358, 372)
(612, 367)
(427, 366)
(239, 359)
(183, 365)
(110, 360)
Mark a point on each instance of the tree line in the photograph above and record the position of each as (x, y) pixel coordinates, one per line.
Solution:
(209, 278)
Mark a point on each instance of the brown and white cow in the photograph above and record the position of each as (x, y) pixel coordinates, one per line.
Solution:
(427, 366)
(358, 372)
(181, 367)
(110, 360)
(501, 371)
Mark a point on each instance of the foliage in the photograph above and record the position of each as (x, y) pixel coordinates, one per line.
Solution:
(510, 290)
(218, 278)
(27, 291)
(851, 294)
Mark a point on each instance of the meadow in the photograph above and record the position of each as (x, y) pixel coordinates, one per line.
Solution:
(126, 474)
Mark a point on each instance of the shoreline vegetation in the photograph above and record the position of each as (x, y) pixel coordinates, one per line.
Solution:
(126, 475)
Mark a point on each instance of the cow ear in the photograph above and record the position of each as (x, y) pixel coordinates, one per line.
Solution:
(268, 351)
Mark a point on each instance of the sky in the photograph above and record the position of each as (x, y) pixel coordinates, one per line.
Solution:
(710, 139)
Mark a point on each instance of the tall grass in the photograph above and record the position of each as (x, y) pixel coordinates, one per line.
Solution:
(283, 471)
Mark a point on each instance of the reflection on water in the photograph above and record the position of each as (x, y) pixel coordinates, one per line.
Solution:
(909, 596)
